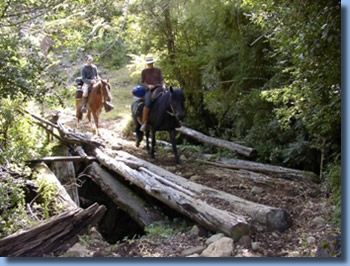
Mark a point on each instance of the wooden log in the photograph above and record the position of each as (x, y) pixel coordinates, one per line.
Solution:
(240, 149)
(63, 159)
(271, 170)
(273, 218)
(140, 211)
(65, 172)
(43, 173)
(67, 135)
(181, 200)
(53, 236)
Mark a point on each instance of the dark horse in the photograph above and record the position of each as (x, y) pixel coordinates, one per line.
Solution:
(166, 112)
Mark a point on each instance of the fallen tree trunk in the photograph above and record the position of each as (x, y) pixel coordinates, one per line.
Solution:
(141, 212)
(53, 236)
(63, 159)
(273, 218)
(66, 135)
(179, 198)
(271, 170)
(240, 149)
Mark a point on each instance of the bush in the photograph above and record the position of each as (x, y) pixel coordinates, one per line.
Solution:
(333, 177)
(13, 214)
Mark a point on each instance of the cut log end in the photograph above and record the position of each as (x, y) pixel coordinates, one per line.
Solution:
(278, 219)
(239, 230)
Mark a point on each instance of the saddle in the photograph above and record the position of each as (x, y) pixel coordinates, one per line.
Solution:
(79, 84)
(156, 92)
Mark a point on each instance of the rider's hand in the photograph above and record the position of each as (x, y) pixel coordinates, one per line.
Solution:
(93, 81)
(150, 86)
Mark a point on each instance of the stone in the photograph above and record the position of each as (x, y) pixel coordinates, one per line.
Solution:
(255, 246)
(193, 250)
(171, 168)
(194, 231)
(78, 251)
(329, 246)
(244, 241)
(195, 178)
(214, 238)
(311, 240)
(193, 256)
(318, 221)
(256, 190)
(221, 248)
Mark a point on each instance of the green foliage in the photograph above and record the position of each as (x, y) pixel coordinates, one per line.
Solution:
(166, 228)
(48, 199)
(20, 140)
(13, 214)
(333, 175)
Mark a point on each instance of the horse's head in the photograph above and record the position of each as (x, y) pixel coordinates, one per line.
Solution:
(177, 103)
(106, 89)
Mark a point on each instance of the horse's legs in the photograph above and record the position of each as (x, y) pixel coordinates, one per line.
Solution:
(173, 143)
(153, 143)
(89, 117)
(96, 115)
(147, 140)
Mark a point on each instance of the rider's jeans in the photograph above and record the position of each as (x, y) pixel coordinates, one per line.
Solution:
(85, 89)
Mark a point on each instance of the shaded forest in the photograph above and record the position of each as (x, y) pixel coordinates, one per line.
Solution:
(265, 74)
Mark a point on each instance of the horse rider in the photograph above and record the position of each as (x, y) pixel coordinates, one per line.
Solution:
(90, 76)
(152, 79)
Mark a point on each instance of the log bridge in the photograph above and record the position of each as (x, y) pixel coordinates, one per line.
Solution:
(113, 170)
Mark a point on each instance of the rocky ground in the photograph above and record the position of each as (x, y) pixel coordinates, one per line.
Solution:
(309, 210)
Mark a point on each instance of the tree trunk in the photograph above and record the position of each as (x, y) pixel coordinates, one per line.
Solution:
(54, 235)
(271, 170)
(243, 150)
(52, 159)
(273, 218)
(141, 212)
(179, 198)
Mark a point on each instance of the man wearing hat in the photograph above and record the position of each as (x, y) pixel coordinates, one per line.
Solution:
(90, 76)
(152, 79)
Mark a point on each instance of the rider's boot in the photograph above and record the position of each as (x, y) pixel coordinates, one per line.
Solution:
(145, 114)
(84, 107)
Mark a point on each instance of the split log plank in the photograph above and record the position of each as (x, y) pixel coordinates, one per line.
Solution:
(53, 236)
(196, 209)
(43, 172)
(240, 149)
(273, 218)
(141, 212)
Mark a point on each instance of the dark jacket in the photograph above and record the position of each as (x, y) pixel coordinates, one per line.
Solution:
(89, 73)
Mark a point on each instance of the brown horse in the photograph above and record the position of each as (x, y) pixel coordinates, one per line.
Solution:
(99, 94)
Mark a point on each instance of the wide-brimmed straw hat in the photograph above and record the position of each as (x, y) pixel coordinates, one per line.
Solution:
(150, 59)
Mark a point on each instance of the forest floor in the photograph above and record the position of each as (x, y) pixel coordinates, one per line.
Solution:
(309, 210)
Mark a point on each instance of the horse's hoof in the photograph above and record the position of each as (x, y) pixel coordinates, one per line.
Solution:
(138, 143)
(179, 162)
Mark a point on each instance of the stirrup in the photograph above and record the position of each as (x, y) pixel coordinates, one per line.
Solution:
(143, 127)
